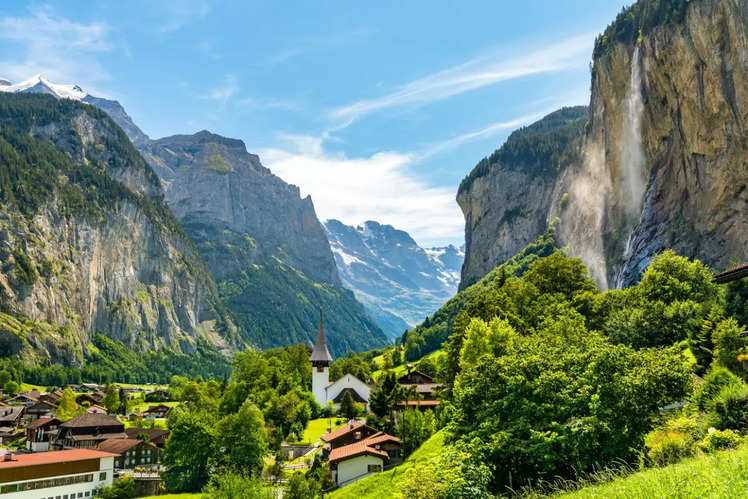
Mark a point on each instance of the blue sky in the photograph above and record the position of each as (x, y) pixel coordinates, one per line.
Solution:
(376, 109)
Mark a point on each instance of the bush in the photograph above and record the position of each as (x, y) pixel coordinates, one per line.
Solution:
(719, 439)
(301, 487)
(665, 447)
(236, 486)
(716, 379)
(124, 488)
(729, 345)
(730, 408)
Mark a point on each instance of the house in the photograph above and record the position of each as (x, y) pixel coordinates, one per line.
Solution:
(733, 274)
(25, 398)
(96, 409)
(369, 455)
(53, 398)
(39, 409)
(130, 452)
(423, 392)
(66, 473)
(158, 395)
(156, 411)
(89, 399)
(156, 436)
(40, 433)
(88, 430)
(352, 432)
(323, 390)
(11, 417)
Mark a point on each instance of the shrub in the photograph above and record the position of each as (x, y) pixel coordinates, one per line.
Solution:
(236, 486)
(716, 379)
(665, 447)
(730, 408)
(729, 345)
(124, 488)
(719, 439)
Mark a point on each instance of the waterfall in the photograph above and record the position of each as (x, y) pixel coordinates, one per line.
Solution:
(633, 176)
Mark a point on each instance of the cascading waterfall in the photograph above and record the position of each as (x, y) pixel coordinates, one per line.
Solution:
(633, 177)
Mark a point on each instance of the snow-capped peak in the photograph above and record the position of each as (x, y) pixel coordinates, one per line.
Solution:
(39, 84)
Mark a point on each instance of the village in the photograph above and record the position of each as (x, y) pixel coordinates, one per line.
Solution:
(76, 440)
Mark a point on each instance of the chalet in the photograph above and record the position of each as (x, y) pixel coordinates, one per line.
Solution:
(423, 392)
(156, 436)
(354, 431)
(324, 391)
(130, 452)
(40, 433)
(354, 461)
(11, 418)
(53, 398)
(25, 398)
(733, 274)
(159, 395)
(58, 474)
(88, 430)
(156, 411)
(96, 409)
(89, 399)
(39, 409)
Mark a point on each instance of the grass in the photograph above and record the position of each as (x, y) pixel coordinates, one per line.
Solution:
(187, 495)
(388, 483)
(720, 475)
(403, 368)
(145, 405)
(315, 428)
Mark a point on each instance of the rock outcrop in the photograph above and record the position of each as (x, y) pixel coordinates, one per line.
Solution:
(663, 162)
(87, 244)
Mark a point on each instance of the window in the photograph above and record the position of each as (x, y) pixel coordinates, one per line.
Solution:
(80, 494)
(375, 468)
(102, 476)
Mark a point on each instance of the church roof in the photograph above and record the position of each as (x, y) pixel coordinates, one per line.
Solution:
(320, 353)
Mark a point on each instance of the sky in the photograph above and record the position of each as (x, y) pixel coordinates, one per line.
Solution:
(376, 109)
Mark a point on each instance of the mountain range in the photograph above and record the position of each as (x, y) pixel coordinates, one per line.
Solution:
(398, 282)
(265, 252)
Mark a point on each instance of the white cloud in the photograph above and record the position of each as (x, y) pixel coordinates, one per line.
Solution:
(283, 104)
(224, 91)
(377, 187)
(60, 49)
(473, 74)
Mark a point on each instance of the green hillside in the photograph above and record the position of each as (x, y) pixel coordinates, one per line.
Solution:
(723, 474)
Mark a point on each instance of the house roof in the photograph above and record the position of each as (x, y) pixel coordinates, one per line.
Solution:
(158, 408)
(38, 423)
(354, 450)
(101, 436)
(403, 380)
(320, 353)
(120, 445)
(86, 420)
(419, 403)
(11, 413)
(732, 274)
(52, 457)
(342, 431)
(41, 404)
(380, 438)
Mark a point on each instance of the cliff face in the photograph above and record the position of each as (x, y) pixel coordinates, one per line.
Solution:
(261, 241)
(507, 198)
(87, 244)
(663, 162)
(399, 282)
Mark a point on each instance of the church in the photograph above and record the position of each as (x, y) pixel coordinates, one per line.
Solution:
(325, 391)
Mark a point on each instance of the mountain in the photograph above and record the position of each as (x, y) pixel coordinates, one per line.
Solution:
(399, 282)
(660, 162)
(262, 243)
(88, 245)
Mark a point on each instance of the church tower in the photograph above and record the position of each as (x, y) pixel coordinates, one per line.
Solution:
(321, 360)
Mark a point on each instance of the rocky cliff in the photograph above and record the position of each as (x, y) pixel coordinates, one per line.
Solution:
(663, 162)
(261, 241)
(87, 244)
(399, 282)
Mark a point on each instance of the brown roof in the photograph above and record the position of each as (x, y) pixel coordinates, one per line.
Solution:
(342, 431)
(86, 420)
(120, 445)
(320, 353)
(52, 457)
(353, 450)
(379, 438)
(38, 423)
(732, 274)
(11, 413)
(419, 403)
(100, 436)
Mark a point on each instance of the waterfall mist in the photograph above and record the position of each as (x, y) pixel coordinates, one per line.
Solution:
(633, 177)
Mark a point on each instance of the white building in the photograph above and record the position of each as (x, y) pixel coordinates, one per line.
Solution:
(325, 391)
(65, 474)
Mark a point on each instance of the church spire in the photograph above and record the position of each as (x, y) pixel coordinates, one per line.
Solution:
(320, 353)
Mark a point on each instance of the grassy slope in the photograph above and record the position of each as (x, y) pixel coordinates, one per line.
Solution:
(315, 428)
(387, 484)
(723, 474)
(403, 368)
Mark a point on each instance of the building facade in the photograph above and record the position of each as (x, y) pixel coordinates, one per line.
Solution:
(66, 474)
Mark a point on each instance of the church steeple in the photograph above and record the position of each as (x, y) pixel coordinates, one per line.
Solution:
(320, 354)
